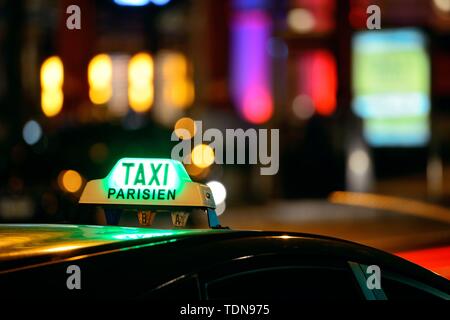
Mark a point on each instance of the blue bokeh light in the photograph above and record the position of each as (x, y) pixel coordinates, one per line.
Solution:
(32, 132)
(160, 2)
(140, 3)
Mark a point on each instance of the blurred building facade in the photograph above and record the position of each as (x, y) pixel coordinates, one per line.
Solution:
(74, 101)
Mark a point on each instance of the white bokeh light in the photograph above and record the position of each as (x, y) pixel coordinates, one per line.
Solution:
(442, 5)
(301, 20)
(221, 208)
(218, 190)
(359, 162)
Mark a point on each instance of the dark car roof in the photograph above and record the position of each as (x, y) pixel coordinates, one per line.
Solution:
(24, 246)
(176, 252)
(28, 241)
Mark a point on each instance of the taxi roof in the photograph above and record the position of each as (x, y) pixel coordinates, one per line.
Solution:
(18, 241)
(30, 245)
(26, 246)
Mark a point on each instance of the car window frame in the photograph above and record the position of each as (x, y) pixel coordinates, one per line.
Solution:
(380, 294)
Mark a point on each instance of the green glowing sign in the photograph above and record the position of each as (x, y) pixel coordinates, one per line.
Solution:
(154, 182)
(147, 179)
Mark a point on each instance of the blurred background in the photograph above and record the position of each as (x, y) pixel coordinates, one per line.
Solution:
(363, 114)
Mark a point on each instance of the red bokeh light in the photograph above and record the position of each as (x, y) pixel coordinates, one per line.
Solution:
(257, 106)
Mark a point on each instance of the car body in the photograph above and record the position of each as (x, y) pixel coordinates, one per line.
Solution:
(144, 263)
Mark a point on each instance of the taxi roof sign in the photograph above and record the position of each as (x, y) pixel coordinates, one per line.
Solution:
(148, 182)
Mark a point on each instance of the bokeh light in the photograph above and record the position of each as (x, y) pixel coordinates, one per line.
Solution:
(301, 20)
(303, 107)
(257, 106)
(203, 156)
(52, 102)
(359, 162)
(185, 128)
(118, 105)
(442, 5)
(70, 181)
(218, 190)
(160, 2)
(277, 48)
(317, 79)
(100, 79)
(100, 97)
(251, 88)
(133, 3)
(196, 172)
(52, 73)
(52, 79)
(220, 208)
(140, 82)
(32, 132)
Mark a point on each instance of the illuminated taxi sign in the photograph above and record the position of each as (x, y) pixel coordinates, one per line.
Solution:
(148, 182)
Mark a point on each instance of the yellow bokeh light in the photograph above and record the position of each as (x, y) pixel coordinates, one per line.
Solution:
(140, 82)
(52, 79)
(140, 99)
(140, 70)
(52, 73)
(100, 79)
(196, 172)
(100, 71)
(100, 96)
(193, 170)
(52, 102)
(70, 181)
(185, 128)
(203, 156)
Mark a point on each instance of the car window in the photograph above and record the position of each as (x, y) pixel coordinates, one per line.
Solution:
(396, 289)
(290, 282)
